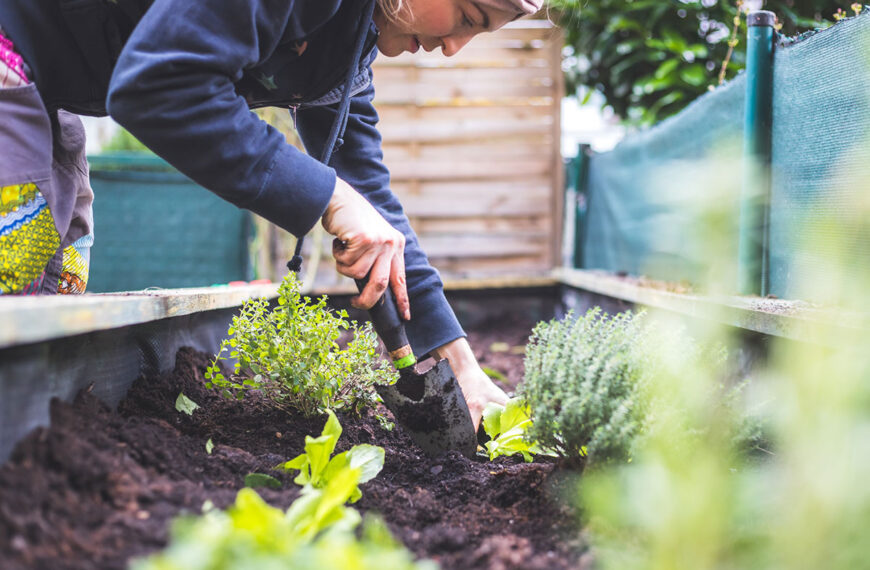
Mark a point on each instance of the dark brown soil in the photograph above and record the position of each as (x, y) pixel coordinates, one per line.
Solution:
(499, 345)
(99, 487)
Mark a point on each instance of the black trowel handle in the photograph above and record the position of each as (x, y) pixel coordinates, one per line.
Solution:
(388, 325)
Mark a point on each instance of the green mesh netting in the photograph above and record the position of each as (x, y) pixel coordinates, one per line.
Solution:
(155, 228)
(646, 197)
(820, 166)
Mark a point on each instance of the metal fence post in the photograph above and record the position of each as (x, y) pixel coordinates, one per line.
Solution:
(581, 201)
(752, 262)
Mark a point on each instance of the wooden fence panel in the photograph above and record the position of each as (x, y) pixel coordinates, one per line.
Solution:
(472, 144)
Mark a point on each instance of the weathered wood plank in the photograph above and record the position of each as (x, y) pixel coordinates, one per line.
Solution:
(538, 227)
(459, 131)
(466, 170)
(422, 93)
(465, 246)
(464, 102)
(502, 150)
(33, 319)
(775, 317)
(522, 74)
(392, 114)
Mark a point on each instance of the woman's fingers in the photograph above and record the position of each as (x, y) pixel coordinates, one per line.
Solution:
(383, 270)
(400, 289)
(367, 246)
(378, 281)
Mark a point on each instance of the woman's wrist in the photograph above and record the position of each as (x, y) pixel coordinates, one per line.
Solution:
(458, 353)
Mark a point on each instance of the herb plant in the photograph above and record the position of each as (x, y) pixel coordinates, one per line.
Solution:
(291, 353)
(317, 469)
(594, 388)
(584, 381)
(507, 426)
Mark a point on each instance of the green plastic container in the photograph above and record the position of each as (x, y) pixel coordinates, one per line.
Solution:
(154, 227)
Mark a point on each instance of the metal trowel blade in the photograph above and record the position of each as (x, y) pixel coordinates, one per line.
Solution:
(431, 408)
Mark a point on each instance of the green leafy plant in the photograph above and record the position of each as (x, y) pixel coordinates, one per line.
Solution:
(291, 353)
(317, 531)
(589, 382)
(185, 405)
(123, 141)
(317, 468)
(584, 382)
(254, 480)
(650, 58)
(507, 426)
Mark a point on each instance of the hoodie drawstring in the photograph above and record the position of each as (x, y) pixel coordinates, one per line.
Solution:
(339, 125)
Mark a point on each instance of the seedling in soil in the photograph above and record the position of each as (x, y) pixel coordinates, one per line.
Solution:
(507, 426)
(291, 354)
(254, 480)
(185, 404)
(317, 531)
(317, 469)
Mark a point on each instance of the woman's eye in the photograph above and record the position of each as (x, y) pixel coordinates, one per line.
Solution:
(466, 21)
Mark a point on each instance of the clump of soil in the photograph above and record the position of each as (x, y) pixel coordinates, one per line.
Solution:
(99, 487)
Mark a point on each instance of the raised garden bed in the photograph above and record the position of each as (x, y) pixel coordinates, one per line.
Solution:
(99, 487)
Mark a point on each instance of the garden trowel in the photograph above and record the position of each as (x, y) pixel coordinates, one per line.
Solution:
(429, 405)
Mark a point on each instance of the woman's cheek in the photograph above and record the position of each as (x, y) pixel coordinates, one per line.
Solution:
(437, 21)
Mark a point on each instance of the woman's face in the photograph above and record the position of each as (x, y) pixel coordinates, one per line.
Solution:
(430, 24)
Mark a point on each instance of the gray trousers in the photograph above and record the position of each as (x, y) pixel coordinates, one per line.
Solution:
(43, 172)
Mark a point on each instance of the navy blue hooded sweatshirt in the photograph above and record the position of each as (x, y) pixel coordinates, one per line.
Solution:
(182, 75)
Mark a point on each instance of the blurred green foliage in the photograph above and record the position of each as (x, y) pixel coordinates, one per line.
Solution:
(317, 531)
(123, 141)
(651, 58)
(803, 501)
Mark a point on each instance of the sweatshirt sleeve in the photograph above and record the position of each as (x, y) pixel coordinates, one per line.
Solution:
(359, 162)
(173, 89)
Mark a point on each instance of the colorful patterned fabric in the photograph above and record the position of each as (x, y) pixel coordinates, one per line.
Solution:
(12, 72)
(28, 238)
(74, 275)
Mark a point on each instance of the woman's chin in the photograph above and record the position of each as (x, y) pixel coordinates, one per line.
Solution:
(389, 49)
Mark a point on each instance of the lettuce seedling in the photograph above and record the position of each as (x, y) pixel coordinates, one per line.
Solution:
(317, 468)
(317, 531)
(323, 510)
(507, 427)
(185, 404)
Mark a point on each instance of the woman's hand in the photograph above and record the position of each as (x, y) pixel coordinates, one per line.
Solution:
(478, 389)
(366, 244)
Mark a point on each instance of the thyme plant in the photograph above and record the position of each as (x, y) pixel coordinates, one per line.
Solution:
(584, 381)
(594, 385)
(291, 354)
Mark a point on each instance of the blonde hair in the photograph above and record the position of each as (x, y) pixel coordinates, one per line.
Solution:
(392, 9)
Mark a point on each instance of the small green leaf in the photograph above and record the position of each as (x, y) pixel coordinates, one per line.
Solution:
(299, 462)
(507, 427)
(254, 480)
(494, 374)
(369, 459)
(185, 404)
(694, 75)
(209, 446)
(492, 419)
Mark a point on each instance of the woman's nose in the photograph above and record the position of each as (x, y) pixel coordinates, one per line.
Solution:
(450, 45)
